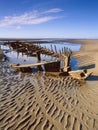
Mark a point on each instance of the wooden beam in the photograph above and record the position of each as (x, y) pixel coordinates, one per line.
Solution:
(31, 65)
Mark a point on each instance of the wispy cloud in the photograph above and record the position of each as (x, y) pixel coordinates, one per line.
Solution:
(30, 18)
(54, 10)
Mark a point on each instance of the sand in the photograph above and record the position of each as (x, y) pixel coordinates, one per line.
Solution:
(41, 102)
(88, 59)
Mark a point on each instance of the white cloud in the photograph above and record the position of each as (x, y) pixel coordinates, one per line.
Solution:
(55, 10)
(30, 18)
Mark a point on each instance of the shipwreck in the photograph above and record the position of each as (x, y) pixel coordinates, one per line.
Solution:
(61, 64)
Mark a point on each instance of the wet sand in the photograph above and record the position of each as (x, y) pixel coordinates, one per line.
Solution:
(40, 102)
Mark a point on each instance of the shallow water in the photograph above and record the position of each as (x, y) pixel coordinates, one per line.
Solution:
(20, 58)
(59, 46)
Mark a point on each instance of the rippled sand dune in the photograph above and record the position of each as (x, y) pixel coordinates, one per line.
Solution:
(44, 103)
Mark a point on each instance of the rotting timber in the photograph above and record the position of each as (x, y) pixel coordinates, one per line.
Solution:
(50, 66)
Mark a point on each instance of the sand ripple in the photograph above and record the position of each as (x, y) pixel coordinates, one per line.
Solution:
(44, 103)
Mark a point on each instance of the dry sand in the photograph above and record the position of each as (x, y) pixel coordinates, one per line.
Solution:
(40, 102)
(88, 58)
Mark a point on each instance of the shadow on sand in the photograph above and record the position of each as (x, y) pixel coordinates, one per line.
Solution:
(92, 78)
(88, 66)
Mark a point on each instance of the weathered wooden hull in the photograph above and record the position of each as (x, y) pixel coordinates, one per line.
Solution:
(80, 74)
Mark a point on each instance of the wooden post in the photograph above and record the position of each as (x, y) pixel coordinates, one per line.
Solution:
(51, 48)
(66, 63)
(38, 56)
(55, 49)
(39, 59)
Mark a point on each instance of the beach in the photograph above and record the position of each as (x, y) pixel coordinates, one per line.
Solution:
(41, 102)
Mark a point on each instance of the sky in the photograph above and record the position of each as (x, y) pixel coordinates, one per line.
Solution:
(49, 19)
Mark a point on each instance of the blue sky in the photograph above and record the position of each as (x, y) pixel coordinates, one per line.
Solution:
(49, 18)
